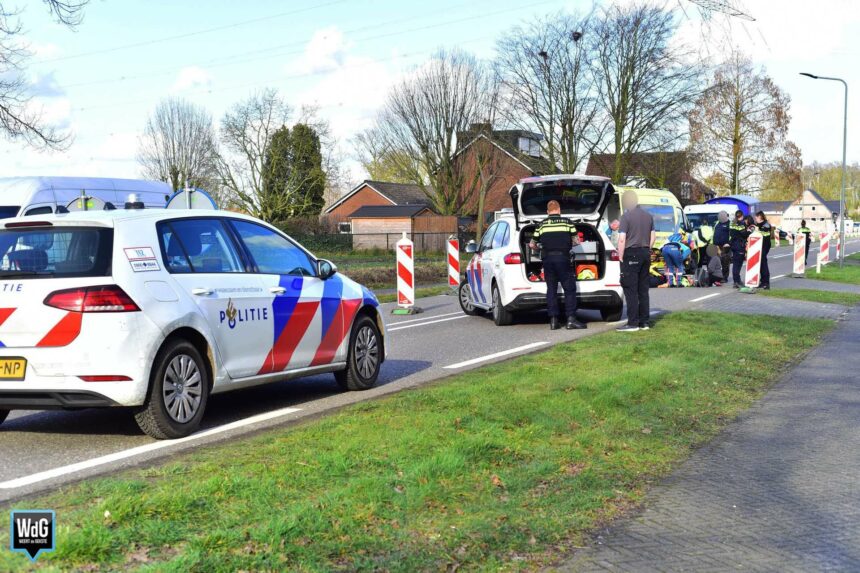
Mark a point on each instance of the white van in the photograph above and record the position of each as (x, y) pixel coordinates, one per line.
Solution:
(698, 215)
(21, 196)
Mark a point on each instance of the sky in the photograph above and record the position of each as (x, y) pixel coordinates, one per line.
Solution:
(101, 80)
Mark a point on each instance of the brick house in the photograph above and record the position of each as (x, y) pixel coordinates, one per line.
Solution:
(371, 193)
(661, 170)
(504, 157)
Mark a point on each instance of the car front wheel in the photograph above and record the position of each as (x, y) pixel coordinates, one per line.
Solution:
(466, 303)
(365, 356)
(178, 392)
(501, 316)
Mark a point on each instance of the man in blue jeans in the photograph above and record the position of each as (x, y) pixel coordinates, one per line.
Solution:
(635, 239)
(675, 252)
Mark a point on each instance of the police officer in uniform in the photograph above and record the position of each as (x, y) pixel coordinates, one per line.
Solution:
(804, 233)
(557, 236)
(738, 235)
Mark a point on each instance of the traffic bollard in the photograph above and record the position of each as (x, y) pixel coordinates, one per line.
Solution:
(752, 279)
(453, 262)
(405, 278)
(824, 248)
(799, 259)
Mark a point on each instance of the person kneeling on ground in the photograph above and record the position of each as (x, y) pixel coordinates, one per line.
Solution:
(715, 266)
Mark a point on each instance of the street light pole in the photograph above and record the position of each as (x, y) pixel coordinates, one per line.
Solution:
(844, 148)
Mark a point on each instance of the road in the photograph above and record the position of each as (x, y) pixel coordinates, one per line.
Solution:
(42, 450)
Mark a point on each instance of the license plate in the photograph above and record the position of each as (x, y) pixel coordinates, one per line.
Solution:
(12, 368)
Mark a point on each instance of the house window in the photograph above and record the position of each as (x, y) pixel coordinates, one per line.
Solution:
(685, 190)
(529, 146)
(344, 227)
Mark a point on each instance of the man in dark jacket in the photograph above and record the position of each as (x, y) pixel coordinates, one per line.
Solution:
(738, 235)
(721, 239)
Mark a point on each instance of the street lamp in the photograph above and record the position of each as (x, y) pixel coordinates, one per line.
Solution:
(844, 146)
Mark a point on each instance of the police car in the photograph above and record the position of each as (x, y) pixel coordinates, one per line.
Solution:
(158, 309)
(505, 278)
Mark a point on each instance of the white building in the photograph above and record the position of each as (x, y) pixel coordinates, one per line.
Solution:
(820, 215)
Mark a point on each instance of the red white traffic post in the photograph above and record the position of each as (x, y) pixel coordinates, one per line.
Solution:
(405, 278)
(824, 251)
(799, 269)
(453, 262)
(753, 272)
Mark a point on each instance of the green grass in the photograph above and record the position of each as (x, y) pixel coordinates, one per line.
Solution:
(849, 274)
(419, 293)
(811, 295)
(503, 468)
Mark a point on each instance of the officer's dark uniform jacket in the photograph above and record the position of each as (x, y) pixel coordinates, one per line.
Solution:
(738, 235)
(766, 230)
(721, 233)
(555, 233)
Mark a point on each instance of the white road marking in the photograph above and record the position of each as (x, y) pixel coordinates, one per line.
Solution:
(782, 256)
(777, 277)
(701, 298)
(495, 355)
(399, 322)
(426, 323)
(146, 448)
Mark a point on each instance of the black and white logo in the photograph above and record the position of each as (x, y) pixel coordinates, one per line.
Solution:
(32, 531)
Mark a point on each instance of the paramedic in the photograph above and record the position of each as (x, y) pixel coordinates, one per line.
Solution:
(635, 240)
(557, 236)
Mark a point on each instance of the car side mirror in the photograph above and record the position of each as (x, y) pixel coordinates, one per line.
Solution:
(325, 269)
(471, 247)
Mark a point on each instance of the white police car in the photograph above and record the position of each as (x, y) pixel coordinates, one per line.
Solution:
(503, 277)
(157, 309)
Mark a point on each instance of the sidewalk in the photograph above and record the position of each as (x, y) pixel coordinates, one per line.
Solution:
(777, 491)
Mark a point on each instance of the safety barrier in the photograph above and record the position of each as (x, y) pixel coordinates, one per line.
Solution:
(825, 248)
(753, 270)
(405, 277)
(799, 258)
(838, 246)
(453, 262)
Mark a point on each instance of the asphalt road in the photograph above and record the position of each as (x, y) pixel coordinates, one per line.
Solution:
(42, 450)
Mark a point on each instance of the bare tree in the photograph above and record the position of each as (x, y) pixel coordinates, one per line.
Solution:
(246, 132)
(422, 116)
(647, 84)
(739, 125)
(19, 120)
(179, 146)
(549, 86)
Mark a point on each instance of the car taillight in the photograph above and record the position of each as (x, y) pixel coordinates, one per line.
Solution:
(105, 378)
(109, 298)
(513, 259)
(613, 255)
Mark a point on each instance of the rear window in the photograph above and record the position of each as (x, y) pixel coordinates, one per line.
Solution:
(574, 198)
(55, 252)
(7, 212)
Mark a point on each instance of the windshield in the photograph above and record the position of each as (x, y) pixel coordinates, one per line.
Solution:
(696, 220)
(8, 211)
(664, 218)
(55, 252)
(575, 198)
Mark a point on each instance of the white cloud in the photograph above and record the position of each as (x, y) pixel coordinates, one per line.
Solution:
(325, 51)
(44, 51)
(191, 77)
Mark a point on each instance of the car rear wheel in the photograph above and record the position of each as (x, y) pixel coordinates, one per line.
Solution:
(501, 316)
(612, 313)
(178, 392)
(464, 293)
(3, 414)
(365, 356)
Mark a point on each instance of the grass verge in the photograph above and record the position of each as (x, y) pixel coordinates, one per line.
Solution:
(500, 468)
(419, 293)
(849, 274)
(813, 295)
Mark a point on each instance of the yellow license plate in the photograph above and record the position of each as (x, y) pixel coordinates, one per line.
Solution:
(12, 368)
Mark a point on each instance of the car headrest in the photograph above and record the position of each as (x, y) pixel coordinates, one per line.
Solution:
(191, 242)
(30, 260)
(42, 241)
